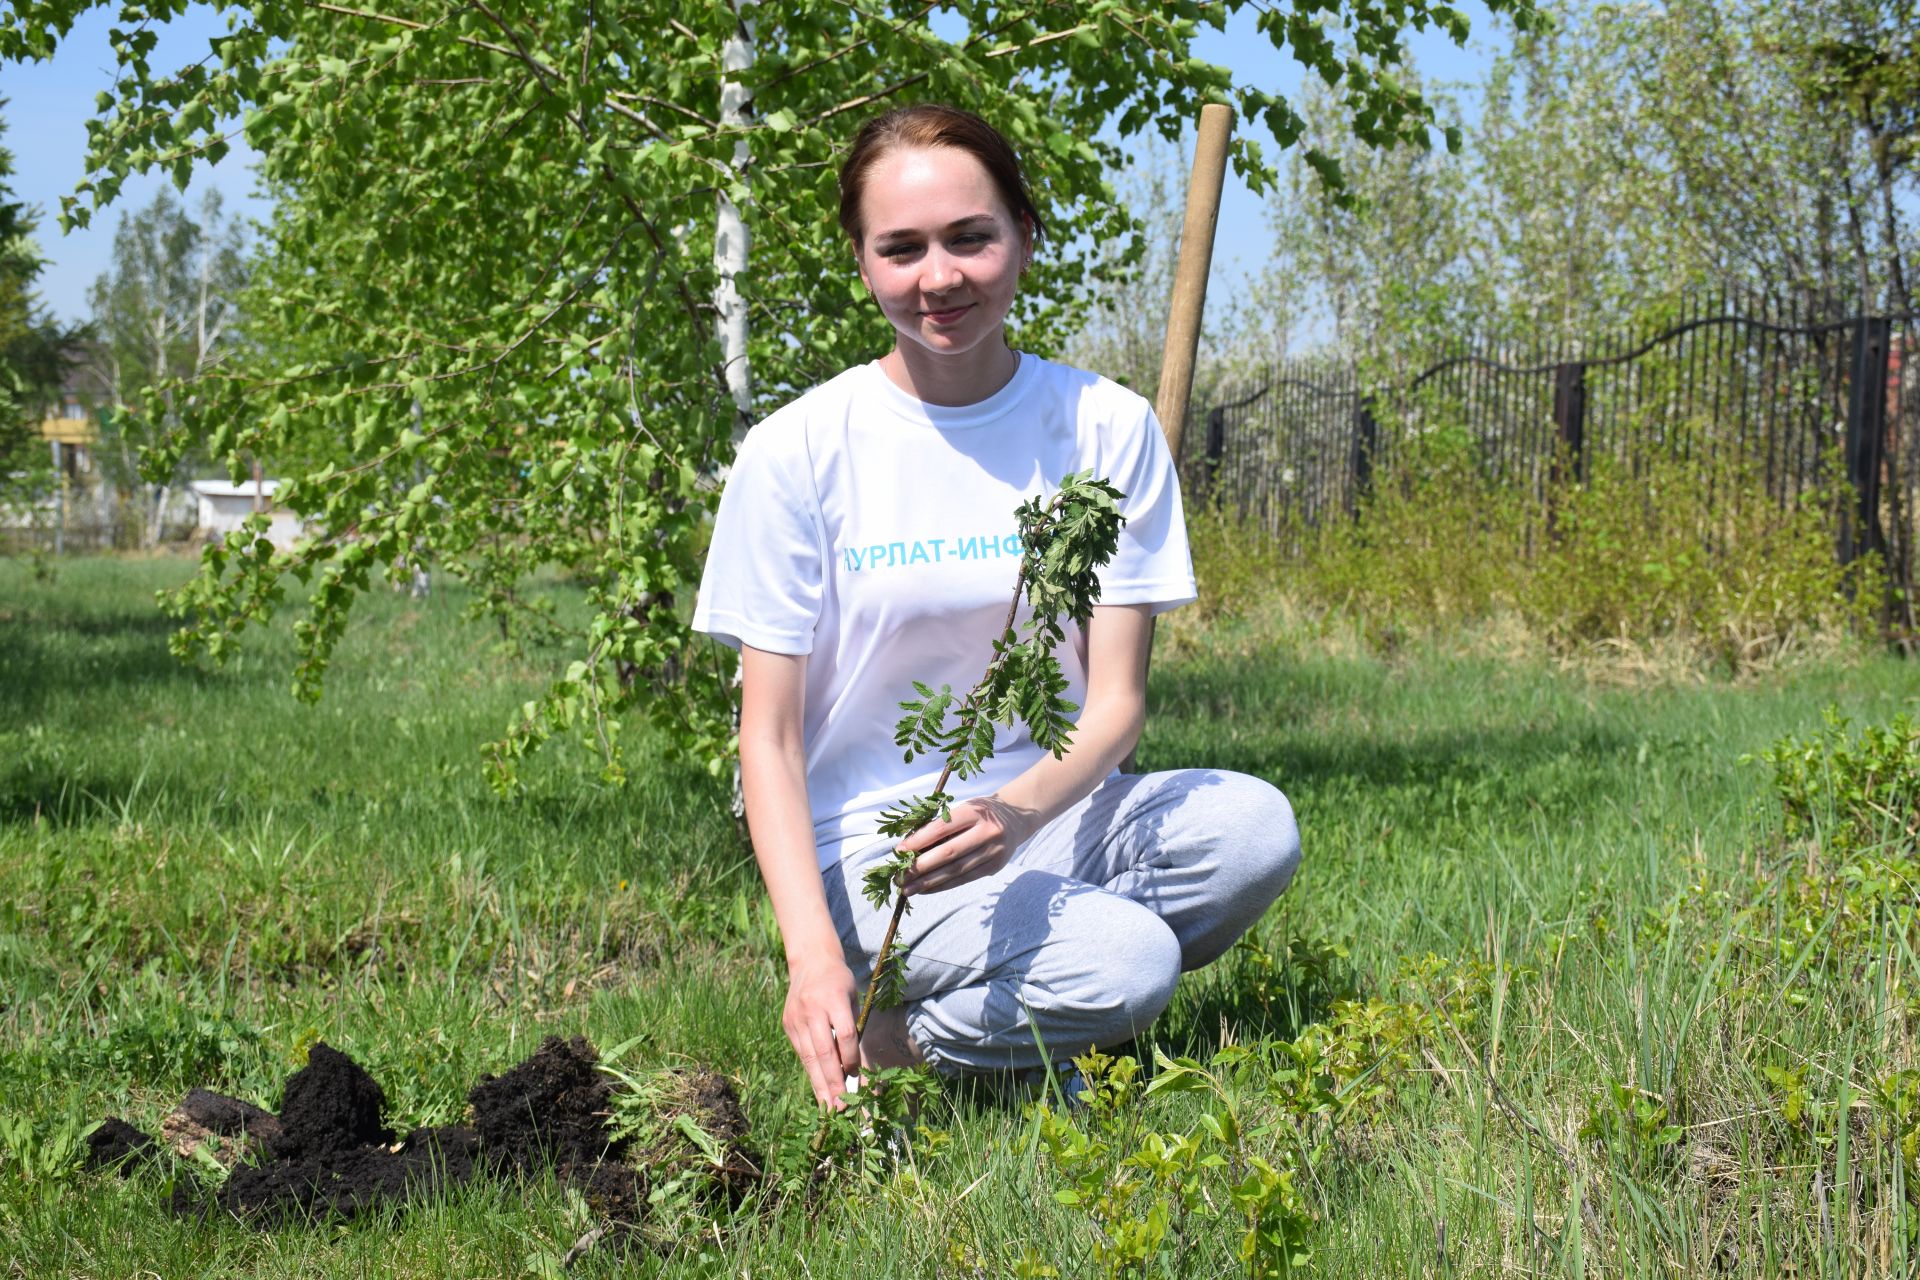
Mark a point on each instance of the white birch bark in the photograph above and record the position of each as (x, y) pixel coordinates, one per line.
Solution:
(730, 245)
(730, 239)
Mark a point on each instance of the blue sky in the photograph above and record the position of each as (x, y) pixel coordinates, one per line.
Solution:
(49, 104)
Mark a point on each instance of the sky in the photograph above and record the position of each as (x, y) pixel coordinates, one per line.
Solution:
(49, 103)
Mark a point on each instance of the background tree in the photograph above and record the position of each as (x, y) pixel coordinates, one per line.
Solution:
(1866, 61)
(485, 328)
(1754, 169)
(163, 315)
(32, 347)
(1382, 260)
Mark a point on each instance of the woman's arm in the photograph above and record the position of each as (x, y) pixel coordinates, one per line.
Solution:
(984, 832)
(773, 775)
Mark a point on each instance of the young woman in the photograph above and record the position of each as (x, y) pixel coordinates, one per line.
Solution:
(866, 540)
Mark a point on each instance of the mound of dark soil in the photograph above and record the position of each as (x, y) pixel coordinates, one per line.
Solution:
(329, 1153)
(345, 1181)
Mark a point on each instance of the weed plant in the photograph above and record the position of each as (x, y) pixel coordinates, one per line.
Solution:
(1575, 980)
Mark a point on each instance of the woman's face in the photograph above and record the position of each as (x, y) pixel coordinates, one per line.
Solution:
(941, 251)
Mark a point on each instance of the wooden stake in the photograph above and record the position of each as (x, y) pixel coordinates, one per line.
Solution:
(1189, 299)
(1190, 275)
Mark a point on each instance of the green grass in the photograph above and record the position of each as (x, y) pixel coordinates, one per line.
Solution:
(199, 877)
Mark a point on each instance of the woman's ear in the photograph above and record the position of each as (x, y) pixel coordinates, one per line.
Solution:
(860, 266)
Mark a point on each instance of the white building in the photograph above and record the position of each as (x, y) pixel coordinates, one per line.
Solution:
(223, 506)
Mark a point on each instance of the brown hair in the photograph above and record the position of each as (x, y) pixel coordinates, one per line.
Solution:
(933, 124)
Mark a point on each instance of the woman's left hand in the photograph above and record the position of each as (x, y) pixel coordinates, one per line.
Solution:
(977, 841)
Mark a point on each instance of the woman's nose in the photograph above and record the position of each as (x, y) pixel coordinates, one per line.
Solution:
(938, 272)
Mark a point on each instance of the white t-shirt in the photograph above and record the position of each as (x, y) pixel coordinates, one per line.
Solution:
(875, 533)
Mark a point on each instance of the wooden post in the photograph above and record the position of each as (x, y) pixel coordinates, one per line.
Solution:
(1190, 274)
(1190, 287)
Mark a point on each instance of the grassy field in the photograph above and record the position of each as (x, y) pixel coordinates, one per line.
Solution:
(1554, 993)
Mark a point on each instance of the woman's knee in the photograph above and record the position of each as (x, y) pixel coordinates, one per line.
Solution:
(1259, 837)
(1144, 970)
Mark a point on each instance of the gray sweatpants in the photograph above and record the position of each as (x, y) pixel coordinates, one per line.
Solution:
(1083, 934)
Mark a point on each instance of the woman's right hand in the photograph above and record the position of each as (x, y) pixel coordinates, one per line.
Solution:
(819, 1021)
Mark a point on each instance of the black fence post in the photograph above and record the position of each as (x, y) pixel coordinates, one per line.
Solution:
(1866, 440)
(1216, 452)
(1366, 442)
(1570, 415)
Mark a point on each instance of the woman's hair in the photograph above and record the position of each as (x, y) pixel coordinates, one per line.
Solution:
(933, 124)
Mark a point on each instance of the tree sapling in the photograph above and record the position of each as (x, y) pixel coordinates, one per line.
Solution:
(1064, 540)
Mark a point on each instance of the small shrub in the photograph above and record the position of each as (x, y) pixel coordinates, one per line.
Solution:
(1695, 549)
(1237, 562)
(1851, 791)
(1144, 1191)
(1434, 545)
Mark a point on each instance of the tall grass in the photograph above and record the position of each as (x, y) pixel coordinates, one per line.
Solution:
(199, 877)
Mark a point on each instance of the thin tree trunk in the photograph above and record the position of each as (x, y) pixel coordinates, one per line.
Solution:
(730, 246)
(730, 240)
(159, 517)
(1862, 255)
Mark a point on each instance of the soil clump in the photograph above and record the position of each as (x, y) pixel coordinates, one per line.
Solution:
(345, 1181)
(330, 1105)
(227, 1128)
(551, 1109)
(119, 1145)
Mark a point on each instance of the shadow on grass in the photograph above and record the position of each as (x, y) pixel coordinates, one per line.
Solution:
(37, 790)
(49, 661)
(1256, 716)
(1263, 988)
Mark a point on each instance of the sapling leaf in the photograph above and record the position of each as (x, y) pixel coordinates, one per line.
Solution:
(878, 881)
(889, 981)
(910, 815)
(923, 728)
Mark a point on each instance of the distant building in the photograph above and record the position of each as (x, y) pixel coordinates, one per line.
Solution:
(72, 425)
(224, 505)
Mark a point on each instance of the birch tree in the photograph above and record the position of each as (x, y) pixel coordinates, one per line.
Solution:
(1621, 159)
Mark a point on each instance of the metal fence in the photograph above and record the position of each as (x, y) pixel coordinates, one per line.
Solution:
(1785, 394)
